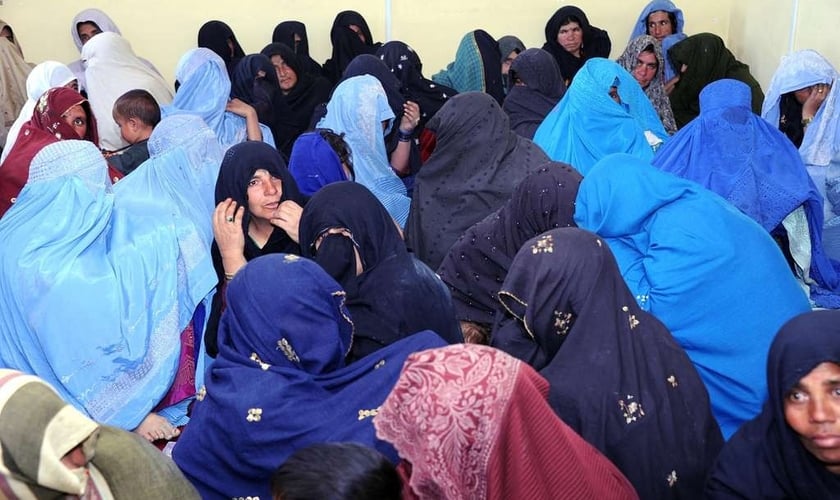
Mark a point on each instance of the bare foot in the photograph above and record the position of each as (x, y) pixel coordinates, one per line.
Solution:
(154, 427)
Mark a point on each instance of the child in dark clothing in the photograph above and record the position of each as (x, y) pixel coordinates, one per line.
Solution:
(137, 113)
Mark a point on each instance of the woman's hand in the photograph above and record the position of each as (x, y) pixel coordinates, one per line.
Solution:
(227, 229)
(812, 104)
(410, 118)
(287, 218)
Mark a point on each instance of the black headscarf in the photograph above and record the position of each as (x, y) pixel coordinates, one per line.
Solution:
(527, 105)
(293, 111)
(346, 44)
(260, 92)
(478, 262)
(475, 166)
(707, 60)
(214, 35)
(616, 374)
(237, 169)
(405, 65)
(285, 33)
(395, 295)
(596, 42)
(765, 458)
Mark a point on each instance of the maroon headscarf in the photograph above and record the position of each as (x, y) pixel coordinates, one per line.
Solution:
(45, 127)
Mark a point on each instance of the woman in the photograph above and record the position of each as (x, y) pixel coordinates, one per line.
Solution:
(733, 152)
(256, 83)
(359, 109)
(509, 47)
(219, 37)
(258, 208)
(572, 41)
(665, 22)
(803, 103)
(14, 71)
(390, 294)
(8, 33)
(790, 450)
(476, 68)
(280, 382)
(619, 119)
(643, 59)
(319, 158)
(293, 35)
(490, 436)
(350, 37)
(702, 59)
(43, 77)
(708, 294)
(112, 69)
(536, 87)
(50, 450)
(616, 375)
(204, 90)
(477, 163)
(477, 263)
(60, 114)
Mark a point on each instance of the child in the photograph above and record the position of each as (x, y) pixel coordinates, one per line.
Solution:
(137, 113)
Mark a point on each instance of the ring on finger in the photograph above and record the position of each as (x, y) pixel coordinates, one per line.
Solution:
(229, 218)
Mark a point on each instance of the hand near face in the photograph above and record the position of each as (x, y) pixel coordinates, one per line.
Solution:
(410, 118)
(227, 229)
(812, 104)
(239, 107)
(287, 218)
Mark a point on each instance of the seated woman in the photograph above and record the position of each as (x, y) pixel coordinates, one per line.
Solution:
(120, 270)
(60, 114)
(492, 436)
(359, 109)
(616, 375)
(292, 34)
(204, 90)
(281, 382)
(319, 158)
(14, 72)
(477, 263)
(790, 450)
(219, 37)
(477, 66)
(804, 102)
(43, 77)
(572, 41)
(51, 450)
(258, 209)
(510, 47)
(733, 152)
(390, 294)
(619, 119)
(350, 37)
(711, 274)
(476, 165)
(702, 59)
(643, 59)
(536, 87)
(665, 22)
(255, 82)
(112, 69)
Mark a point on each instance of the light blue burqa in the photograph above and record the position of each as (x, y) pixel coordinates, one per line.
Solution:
(710, 273)
(97, 282)
(587, 124)
(640, 28)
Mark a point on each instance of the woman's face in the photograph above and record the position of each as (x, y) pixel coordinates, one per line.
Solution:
(287, 76)
(812, 410)
(614, 95)
(77, 118)
(570, 37)
(659, 25)
(264, 193)
(87, 30)
(645, 70)
(508, 61)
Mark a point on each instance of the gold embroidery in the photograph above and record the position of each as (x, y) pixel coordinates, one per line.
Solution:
(256, 359)
(545, 244)
(631, 410)
(379, 365)
(633, 321)
(202, 393)
(254, 415)
(290, 258)
(672, 478)
(672, 380)
(290, 353)
(562, 322)
(363, 414)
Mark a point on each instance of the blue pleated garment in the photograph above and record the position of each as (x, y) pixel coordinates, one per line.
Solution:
(710, 273)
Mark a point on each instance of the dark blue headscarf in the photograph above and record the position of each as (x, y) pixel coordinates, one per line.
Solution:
(314, 163)
(280, 382)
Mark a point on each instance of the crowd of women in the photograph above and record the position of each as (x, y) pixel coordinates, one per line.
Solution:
(348, 280)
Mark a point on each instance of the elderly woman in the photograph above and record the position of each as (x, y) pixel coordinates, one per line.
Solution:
(804, 102)
(473, 422)
(477, 66)
(791, 449)
(665, 22)
(281, 382)
(619, 119)
(643, 59)
(572, 41)
(537, 87)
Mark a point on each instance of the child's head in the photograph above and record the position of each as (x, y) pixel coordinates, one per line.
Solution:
(137, 113)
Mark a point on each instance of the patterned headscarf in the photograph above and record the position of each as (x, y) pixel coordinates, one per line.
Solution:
(656, 88)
